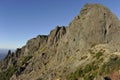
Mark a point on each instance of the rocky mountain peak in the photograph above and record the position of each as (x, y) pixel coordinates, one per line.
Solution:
(95, 24)
(56, 34)
(80, 51)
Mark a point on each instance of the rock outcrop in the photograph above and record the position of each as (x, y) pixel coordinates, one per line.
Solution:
(94, 25)
(77, 52)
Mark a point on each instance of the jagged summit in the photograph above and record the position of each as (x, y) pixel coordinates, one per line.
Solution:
(80, 51)
(97, 24)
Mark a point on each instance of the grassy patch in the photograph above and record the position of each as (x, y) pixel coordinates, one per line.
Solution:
(25, 59)
(111, 65)
(89, 77)
(76, 74)
(99, 54)
(8, 73)
(98, 67)
(89, 72)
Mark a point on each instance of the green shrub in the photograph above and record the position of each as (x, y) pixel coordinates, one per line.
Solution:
(88, 68)
(26, 58)
(99, 54)
(8, 73)
(111, 65)
(76, 74)
(89, 72)
(89, 77)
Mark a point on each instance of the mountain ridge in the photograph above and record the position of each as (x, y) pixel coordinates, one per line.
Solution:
(68, 53)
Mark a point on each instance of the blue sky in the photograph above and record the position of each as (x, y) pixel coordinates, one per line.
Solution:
(21, 20)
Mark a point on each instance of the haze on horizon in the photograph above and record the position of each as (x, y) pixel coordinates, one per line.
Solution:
(24, 19)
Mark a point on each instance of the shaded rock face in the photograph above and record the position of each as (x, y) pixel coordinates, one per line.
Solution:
(95, 24)
(35, 43)
(60, 53)
(55, 35)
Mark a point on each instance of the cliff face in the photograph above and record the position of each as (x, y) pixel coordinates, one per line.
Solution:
(80, 51)
(94, 25)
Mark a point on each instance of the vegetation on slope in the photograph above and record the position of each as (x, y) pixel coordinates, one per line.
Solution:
(8, 73)
(94, 69)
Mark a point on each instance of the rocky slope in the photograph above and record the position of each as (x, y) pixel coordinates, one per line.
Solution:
(88, 49)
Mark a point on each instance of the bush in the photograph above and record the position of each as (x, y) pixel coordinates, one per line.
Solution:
(89, 72)
(76, 74)
(98, 54)
(89, 77)
(111, 65)
(8, 73)
(88, 68)
(26, 58)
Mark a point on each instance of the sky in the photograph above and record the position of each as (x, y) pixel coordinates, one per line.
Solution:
(21, 20)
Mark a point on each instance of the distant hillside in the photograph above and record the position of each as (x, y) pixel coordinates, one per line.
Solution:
(3, 50)
(2, 55)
